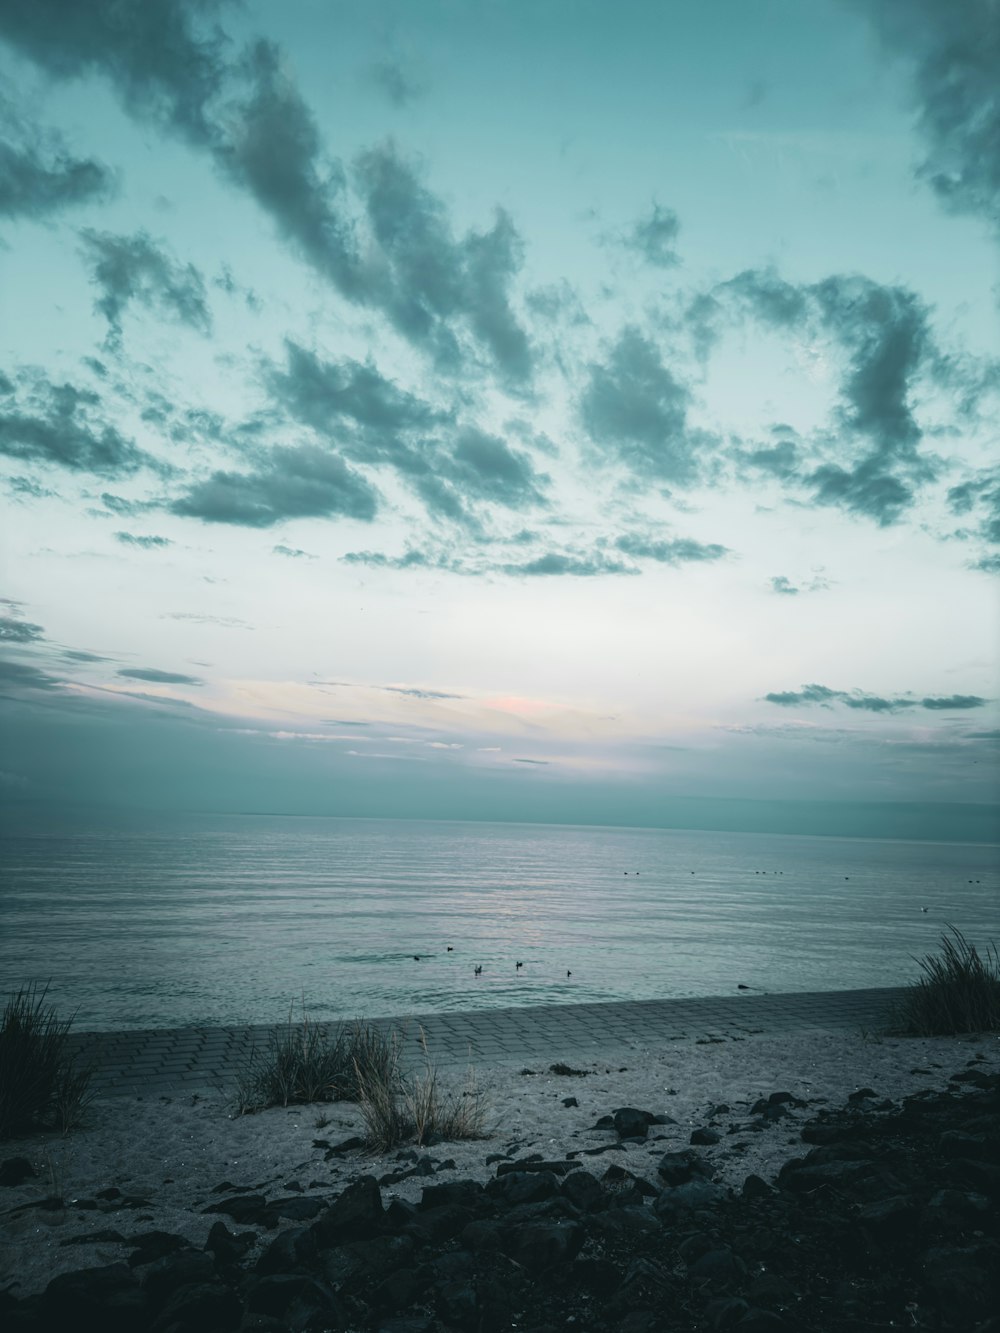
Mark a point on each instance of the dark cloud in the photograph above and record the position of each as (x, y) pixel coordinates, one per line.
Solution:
(563, 563)
(160, 68)
(149, 543)
(61, 424)
(157, 677)
(26, 487)
(542, 763)
(135, 268)
(15, 630)
(272, 148)
(781, 584)
(885, 335)
(395, 83)
(125, 508)
(671, 550)
(954, 49)
(430, 283)
(654, 235)
(331, 396)
(486, 467)
(77, 655)
(557, 301)
(954, 703)
(980, 496)
(871, 703)
(14, 675)
(292, 552)
(248, 115)
(39, 176)
(636, 412)
(300, 482)
(414, 693)
(411, 559)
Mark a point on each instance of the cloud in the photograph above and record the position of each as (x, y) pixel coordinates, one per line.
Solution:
(269, 145)
(249, 116)
(870, 703)
(653, 237)
(156, 677)
(292, 552)
(395, 83)
(14, 630)
(415, 693)
(432, 285)
(39, 176)
(954, 703)
(542, 763)
(954, 49)
(135, 268)
(980, 495)
(300, 482)
(486, 467)
(145, 543)
(161, 70)
(125, 508)
(781, 584)
(229, 622)
(22, 674)
(61, 424)
(635, 410)
(563, 563)
(885, 336)
(670, 551)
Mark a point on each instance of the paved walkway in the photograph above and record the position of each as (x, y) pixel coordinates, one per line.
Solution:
(195, 1059)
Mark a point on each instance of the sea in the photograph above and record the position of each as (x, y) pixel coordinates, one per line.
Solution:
(250, 919)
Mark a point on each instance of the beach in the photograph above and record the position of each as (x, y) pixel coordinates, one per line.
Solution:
(140, 1163)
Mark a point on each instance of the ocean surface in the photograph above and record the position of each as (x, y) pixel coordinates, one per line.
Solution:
(236, 919)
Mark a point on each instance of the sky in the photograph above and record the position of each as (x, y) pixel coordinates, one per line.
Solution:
(544, 410)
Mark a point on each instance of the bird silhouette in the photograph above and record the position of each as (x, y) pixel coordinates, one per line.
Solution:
(450, 949)
(479, 971)
(517, 965)
(569, 974)
(416, 958)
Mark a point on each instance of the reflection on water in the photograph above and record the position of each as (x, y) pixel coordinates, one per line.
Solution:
(231, 920)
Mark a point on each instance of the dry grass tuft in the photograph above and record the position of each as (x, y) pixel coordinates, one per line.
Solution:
(41, 1088)
(959, 991)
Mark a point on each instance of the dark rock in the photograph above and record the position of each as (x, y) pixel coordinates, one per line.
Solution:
(244, 1209)
(16, 1170)
(153, 1245)
(292, 1249)
(345, 1146)
(717, 1268)
(108, 1297)
(400, 1288)
(570, 1101)
(567, 1071)
(679, 1201)
(755, 1187)
(584, 1191)
(761, 1321)
(519, 1187)
(207, 1307)
(862, 1094)
(704, 1137)
(456, 1303)
(557, 1168)
(630, 1123)
(677, 1168)
(107, 1237)
(892, 1220)
(482, 1235)
(185, 1268)
(724, 1311)
(539, 1246)
(353, 1215)
(227, 1247)
(467, 1193)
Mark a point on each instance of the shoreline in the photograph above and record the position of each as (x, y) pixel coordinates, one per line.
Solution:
(156, 1160)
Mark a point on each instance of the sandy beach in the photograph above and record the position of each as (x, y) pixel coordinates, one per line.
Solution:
(167, 1156)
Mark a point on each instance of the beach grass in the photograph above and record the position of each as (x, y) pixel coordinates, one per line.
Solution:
(958, 992)
(415, 1109)
(41, 1088)
(304, 1062)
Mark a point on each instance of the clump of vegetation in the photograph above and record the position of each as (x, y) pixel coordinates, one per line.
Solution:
(305, 1062)
(958, 992)
(415, 1110)
(41, 1087)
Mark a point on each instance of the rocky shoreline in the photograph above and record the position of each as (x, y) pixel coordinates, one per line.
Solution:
(888, 1218)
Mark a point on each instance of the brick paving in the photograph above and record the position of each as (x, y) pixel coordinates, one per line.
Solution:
(198, 1059)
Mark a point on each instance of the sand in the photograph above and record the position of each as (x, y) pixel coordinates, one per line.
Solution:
(172, 1151)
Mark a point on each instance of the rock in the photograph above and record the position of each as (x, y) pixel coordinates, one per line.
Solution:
(244, 1209)
(677, 1168)
(584, 1191)
(456, 1303)
(227, 1247)
(755, 1187)
(353, 1215)
(680, 1200)
(717, 1268)
(468, 1193)
(557, 1168)
(207, 1307)
(153, 1245)
(517, 1187)
(630, 1123)
(108, 1298)
(705, 1137)
(539, 1246)
(185, 1268)
(294, 1249)
(15, 1171)
(570, 1101)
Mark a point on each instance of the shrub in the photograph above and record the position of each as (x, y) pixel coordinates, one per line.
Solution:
(304, 1062)
(414, 1109)
(41, 1088)
(959, 991)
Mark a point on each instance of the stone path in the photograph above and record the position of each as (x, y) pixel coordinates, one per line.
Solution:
(198, 1059)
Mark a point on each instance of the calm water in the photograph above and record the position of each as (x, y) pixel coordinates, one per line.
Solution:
(230, 920)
